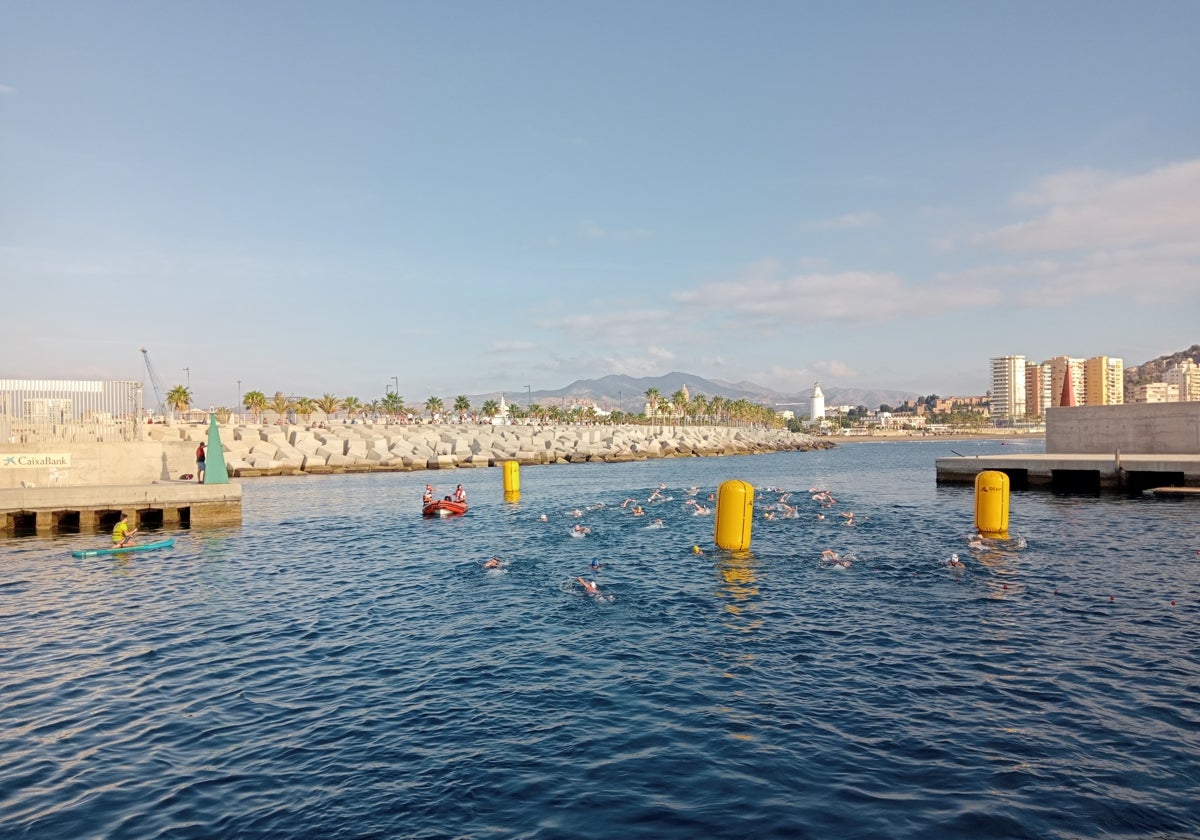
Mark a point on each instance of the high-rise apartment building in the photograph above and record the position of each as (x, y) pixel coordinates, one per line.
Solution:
(1008, 388)
(1103, 382)
(1037, 389)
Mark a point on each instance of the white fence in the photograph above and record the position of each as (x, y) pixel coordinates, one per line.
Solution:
(70, 410)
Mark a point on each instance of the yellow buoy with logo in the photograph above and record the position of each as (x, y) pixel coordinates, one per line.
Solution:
(991, 504)
(512, 481)
(735, 515)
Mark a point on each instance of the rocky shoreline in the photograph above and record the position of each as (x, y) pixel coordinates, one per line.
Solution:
(254, 450)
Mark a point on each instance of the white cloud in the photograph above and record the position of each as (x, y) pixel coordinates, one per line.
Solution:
(835, 369)
(1086, 210)
(846, 221)
(762, 298)
(5, 90)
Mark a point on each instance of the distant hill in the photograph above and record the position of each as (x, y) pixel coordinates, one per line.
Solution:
(1153, 370)
(628, 393)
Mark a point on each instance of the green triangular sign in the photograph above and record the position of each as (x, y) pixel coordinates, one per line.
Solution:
(214, 458)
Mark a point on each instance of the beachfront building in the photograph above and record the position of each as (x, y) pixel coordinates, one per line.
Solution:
(816, 405)
(1186, 378)
(1156, 392)
(1037, 389)
(1007, 402)
(1103, 381)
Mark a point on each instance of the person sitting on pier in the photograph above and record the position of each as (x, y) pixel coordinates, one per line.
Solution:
(121, 535)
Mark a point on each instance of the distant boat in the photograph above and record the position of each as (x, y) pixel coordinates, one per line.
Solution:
(444, 507)
(97, 552)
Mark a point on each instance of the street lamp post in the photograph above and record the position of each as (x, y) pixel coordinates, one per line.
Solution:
(188, 371)
(528, 398)
(396, 390)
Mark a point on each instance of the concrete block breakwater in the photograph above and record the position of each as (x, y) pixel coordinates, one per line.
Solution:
(275, 450)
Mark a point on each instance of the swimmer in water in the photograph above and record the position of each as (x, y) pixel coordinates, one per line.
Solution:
(637, 511)
(580, 531)
(589, 586)
(955, 563)
(494, 563)
(595, 567)
(543, 518)
(832, 557)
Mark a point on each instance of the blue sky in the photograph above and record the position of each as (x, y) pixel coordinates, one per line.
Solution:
(476, 197)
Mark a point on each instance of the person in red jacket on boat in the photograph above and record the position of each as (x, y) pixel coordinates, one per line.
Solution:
(428, 497)
(460, 495)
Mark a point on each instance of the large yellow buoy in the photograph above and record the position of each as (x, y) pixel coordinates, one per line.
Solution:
(735, 515)
(991, 504)
(512, 480)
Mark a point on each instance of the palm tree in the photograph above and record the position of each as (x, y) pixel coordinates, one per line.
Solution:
(463, 406)
(393, 404)
(652, 397)
(490, 409)
(329, 405)
(305, 406)
(699, 407)
(434, 406)
(256, 402)
(373, 406)
(281, 404)
(537, 412)
(352, 406)
(179, 398)
(679, 402)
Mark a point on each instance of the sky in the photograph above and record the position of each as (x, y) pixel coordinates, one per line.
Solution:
(476, 197)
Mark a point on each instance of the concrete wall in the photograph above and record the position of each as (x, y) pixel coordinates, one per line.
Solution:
(1135, 429)
(100, 463)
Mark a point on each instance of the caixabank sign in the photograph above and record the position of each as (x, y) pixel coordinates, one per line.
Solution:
(33, 460)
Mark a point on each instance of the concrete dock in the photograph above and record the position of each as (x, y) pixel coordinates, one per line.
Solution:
(1114, 472)
(96, 509)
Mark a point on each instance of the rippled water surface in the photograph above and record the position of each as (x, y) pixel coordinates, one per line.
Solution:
(339, 667)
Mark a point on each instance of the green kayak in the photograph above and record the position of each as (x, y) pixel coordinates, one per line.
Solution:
(96, 552)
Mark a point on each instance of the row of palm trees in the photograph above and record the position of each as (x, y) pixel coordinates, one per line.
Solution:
(680, 408)
(716, 410)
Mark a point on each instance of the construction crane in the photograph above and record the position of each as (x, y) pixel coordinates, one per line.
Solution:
(159, 394)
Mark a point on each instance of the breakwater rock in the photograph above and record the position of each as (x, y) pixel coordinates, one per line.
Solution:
(276, 450)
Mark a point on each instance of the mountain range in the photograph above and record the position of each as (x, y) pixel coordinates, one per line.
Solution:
(628, 393)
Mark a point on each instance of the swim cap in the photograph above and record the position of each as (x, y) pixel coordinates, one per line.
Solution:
(595, 563)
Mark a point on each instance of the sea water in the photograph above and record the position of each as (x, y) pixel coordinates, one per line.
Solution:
(338, 666)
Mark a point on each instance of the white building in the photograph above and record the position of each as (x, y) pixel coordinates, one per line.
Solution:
(1008, 388)
(1186, 377)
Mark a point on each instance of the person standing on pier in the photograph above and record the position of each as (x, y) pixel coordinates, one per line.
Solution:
(200, 463)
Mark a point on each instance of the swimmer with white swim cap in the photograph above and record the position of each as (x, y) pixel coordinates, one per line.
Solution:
(955, 563)
(589, 586)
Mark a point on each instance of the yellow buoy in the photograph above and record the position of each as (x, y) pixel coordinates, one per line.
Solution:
(991, 504)
(512, 479)
(735, 515)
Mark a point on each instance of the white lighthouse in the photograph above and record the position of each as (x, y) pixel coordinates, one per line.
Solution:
(816, 405)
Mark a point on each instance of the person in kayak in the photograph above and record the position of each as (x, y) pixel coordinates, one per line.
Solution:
(121, 535)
